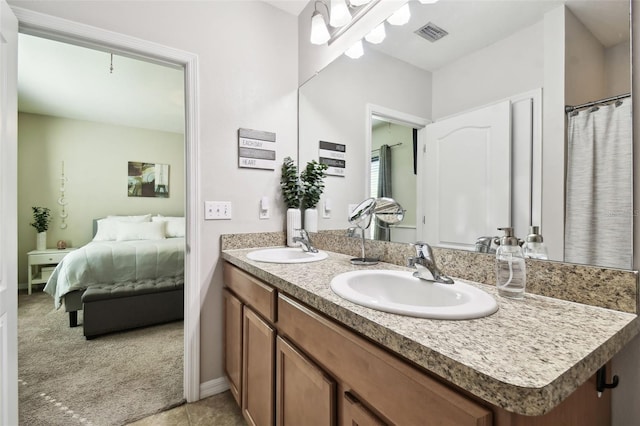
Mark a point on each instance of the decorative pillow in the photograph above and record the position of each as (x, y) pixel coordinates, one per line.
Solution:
(128, 231)
(138, 218)
(107, 230)
(176, 225)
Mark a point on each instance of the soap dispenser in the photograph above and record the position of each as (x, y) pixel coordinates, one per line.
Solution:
(534, 246)
(511, 275)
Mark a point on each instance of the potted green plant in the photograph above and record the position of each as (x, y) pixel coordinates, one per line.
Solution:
(41, 220)
(312, 187)
(291, 192)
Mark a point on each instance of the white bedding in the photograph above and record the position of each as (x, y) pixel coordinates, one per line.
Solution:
(116, 261)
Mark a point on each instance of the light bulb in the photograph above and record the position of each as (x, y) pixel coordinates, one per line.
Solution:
(376, 35)
(360, 2)
(339, 15)
(355, 51)
(400, 16)
(319, 31)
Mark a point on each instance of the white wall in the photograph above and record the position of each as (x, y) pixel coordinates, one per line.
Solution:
(508, 67)
(248, 65)
(333, 108)
(617, 69)
(95, 159)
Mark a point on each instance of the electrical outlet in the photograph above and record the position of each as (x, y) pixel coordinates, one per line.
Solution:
(217, 210)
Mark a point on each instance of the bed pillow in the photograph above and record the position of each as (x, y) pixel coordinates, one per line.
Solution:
(137, 218)
(107, 230)
(129, 231)
(176, 225)
(107, 227)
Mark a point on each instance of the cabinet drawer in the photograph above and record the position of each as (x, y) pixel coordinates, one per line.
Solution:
(251, 291)
(399, 392)
(46, 258)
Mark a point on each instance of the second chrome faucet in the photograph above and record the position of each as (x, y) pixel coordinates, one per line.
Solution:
(424, 262)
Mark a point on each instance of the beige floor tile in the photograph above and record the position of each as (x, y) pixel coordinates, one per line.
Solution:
(217, 410)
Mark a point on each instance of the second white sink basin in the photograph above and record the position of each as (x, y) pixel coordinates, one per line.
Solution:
(399, 292)
(285, 255)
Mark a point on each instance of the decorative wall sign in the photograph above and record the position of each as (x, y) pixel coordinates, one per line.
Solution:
(333, 155)
(148, 180)
(256, 149)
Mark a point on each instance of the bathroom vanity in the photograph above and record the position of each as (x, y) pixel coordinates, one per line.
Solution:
(296, 353)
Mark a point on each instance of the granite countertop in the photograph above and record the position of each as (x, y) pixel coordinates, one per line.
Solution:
(525, 358)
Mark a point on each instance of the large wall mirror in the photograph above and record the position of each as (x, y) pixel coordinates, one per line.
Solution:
(506, 68)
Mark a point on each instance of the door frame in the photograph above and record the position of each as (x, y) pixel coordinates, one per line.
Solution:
(59, 29)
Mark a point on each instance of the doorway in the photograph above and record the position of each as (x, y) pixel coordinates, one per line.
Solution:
(59, 29)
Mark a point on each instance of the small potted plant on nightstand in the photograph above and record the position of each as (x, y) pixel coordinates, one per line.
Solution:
(41, 220)
(312, 188)
(290, 185)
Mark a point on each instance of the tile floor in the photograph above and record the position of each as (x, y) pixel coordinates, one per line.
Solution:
(217, 410)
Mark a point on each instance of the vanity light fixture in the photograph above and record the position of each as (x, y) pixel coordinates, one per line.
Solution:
(377, 35)
(319, 31)
(339, 15)
(355, 51)
(400, 16)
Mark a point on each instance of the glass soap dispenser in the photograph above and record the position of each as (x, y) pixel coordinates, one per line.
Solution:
(511, 275)
(534, 246)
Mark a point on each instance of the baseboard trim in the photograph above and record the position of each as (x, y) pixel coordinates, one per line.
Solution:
(213, 387)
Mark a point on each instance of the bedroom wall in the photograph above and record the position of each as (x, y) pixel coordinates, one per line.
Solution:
(248, 64)
(95, 159)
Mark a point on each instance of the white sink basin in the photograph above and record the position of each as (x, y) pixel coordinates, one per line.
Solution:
(399, 292)
(285, 255)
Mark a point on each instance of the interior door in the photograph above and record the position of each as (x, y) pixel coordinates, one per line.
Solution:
(8, 216)
(467, 177)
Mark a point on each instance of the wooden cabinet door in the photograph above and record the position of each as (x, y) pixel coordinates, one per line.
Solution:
(258, 352)
(233, 343)
(353, 413)
(305, 395)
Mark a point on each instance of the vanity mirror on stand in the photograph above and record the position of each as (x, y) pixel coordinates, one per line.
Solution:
(466, 115)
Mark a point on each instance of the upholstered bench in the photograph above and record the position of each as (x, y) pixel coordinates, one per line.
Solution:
(122, 306)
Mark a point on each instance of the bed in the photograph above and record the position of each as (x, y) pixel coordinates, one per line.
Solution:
(124, 250)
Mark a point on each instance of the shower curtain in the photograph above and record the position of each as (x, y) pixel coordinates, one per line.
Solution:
(599, 191)
(384, 190)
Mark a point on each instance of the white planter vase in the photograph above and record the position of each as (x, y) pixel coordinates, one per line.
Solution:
(311, 220)
(41, 241)
(294, 222)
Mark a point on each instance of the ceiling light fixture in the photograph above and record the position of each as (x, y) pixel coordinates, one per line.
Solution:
(319, 31)
(428, 1)
(400, 16)
(355, 51)
(376, 35)
(339, 15)
(356, 3)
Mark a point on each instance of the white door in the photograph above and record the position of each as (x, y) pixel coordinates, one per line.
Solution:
(8, 217)
(466, 172)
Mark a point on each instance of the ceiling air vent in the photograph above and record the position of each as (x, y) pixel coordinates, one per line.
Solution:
(431, 32)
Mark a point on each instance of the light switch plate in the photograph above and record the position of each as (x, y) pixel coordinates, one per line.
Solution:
(217, 210)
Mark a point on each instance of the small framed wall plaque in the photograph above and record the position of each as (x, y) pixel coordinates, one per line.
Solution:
(334, 155)
(256, 149)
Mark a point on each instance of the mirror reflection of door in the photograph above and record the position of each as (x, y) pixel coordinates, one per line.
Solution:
(392, 174)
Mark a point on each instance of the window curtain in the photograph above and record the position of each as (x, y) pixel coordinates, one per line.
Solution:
(382, 231)
(599, 192)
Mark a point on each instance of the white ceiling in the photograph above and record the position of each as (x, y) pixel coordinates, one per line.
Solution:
(70, 81)
(475, 24)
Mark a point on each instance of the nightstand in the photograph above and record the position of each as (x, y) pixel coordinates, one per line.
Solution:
(40, 259)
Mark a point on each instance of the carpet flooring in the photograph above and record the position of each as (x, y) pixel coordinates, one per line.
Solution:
(115, 379)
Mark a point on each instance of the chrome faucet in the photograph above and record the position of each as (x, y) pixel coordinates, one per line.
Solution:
(483, 245)
(423, 262)
(305, 241)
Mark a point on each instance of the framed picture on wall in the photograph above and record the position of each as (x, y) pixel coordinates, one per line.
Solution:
(148, 180)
